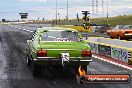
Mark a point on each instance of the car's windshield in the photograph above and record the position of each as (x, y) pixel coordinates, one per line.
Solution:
(60, 36)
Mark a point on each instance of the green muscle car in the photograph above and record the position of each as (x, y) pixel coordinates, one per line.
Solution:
(55, 46)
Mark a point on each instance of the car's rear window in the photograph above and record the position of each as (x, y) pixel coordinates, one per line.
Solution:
(60, 36)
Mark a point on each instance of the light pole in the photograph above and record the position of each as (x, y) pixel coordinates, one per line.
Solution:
(59, 16)
(67, 9)
(92, 8)
(107, 9)
(56, 12)
(103, 7)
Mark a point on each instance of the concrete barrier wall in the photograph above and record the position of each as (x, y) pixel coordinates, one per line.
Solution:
(121, 54)
(115, 52)
(104, 50)
(94, 47)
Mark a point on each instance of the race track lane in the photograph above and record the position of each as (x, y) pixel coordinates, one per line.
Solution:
(18, 75)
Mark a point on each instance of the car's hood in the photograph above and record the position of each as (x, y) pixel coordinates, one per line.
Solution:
(64, 45)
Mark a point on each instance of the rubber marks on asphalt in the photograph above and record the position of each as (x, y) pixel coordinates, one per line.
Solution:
(118, 63)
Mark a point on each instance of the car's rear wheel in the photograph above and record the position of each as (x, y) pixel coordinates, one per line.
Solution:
(36, 70)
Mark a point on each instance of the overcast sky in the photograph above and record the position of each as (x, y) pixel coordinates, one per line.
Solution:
(10, 9)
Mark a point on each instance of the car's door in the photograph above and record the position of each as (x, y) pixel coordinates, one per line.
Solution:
(115, 33)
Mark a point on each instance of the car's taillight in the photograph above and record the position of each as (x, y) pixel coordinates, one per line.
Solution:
(86, 53)
(41, 53)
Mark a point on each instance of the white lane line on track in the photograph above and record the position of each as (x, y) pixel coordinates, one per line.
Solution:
(121, 65)
(31, 31)
(23, 29)
(27, 30)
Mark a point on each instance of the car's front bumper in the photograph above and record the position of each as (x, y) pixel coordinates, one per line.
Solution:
(58, 61)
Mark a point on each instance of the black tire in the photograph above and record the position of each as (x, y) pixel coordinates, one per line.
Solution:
(36, 70)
